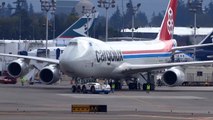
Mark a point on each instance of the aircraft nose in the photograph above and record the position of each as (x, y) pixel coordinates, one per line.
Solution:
(72, 57)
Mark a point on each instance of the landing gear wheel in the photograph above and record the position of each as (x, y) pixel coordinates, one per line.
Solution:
(144, 86)
(84, 89)
(73, 89)
(78, 89)
(92, 90)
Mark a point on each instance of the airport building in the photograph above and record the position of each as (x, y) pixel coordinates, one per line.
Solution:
(196, 75)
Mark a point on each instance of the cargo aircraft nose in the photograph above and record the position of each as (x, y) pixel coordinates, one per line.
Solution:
(74, 56)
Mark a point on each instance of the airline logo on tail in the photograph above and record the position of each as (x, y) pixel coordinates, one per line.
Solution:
(78, 29)
(167, 26)
(82, 23)
(84, 29)
(170, 22)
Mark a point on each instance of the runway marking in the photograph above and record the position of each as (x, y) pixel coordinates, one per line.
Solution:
(95, 96)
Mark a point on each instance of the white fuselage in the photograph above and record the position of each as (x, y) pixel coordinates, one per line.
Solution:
(89, 57)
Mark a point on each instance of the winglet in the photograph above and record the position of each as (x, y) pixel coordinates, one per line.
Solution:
(167, 26)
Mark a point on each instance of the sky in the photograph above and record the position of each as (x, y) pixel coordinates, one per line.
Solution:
(147, 6)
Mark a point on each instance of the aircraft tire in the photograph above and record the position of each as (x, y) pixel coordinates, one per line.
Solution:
(144, 87)
(93, 90)
(73, 89)
(78, 90)
(84, 89)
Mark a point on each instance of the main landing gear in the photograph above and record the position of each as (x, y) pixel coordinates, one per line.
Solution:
(149, 80)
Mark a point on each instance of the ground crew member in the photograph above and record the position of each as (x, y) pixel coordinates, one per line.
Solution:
(113, 87)
(22, 81)
(148, 87)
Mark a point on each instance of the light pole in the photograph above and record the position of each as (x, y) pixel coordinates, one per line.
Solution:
(106, 4)
(53, 22)
(88, 12)
(47, 6)
(134, 10)
(194, 7)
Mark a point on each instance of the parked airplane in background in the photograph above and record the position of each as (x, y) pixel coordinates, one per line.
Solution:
(91, 58)
(205, 53)
(79, 28)
(201, 52)
(75, 30)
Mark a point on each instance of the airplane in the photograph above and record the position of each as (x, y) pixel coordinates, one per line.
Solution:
(202, 52)
(79, 28)
(75, 30)
(205, 53)
(87, 57)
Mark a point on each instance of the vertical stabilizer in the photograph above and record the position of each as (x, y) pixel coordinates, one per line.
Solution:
(167, 26)
(77, 29)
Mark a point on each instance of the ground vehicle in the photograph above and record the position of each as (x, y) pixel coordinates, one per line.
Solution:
(92, 87)
(7, 80)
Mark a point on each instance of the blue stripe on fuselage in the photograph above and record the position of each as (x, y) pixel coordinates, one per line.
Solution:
(146, 55)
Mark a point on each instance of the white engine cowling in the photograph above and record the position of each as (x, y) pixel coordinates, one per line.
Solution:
(174, 76)
(49, 74)
(17, 68)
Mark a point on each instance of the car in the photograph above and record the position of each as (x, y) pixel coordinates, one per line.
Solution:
(7, 80)
(96, 88)
(92, 87)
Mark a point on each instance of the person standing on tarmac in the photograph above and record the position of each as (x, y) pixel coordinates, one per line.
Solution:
(22, 81)
(113, 87)
(148, 87)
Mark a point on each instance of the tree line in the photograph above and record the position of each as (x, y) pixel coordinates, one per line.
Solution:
(21, 22)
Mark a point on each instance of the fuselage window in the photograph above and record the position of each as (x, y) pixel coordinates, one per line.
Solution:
(73, 43)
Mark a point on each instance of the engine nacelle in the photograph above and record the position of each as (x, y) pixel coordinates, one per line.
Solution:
(49, 74)
(174, 76)
(17, 68)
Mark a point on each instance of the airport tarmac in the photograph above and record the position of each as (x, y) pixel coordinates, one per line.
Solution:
(39, 102)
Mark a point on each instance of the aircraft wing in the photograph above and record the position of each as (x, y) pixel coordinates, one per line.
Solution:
(54, 61)
(127, 68)
(191, 46)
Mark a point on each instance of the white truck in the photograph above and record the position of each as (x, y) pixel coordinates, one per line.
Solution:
(92, 87)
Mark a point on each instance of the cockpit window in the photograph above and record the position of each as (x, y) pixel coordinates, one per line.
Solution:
(73, 43)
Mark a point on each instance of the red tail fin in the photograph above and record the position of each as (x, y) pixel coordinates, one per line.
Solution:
(167, 26)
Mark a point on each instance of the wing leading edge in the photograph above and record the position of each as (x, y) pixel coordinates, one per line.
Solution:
(192, 46)
(127, 68)
(54, 61)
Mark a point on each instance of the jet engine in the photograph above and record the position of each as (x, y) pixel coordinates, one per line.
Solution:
(17, 68)
(49, 74)
(174, 76)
